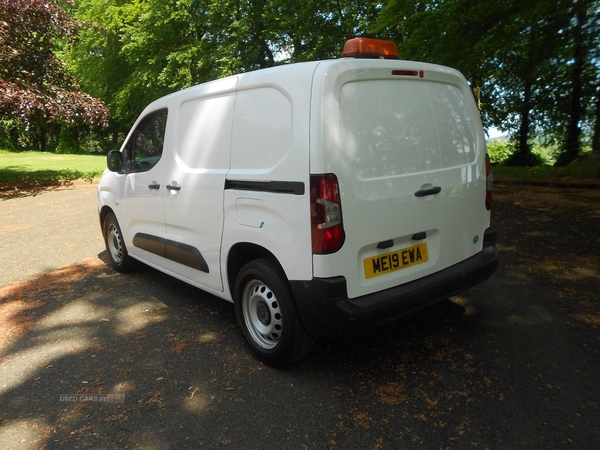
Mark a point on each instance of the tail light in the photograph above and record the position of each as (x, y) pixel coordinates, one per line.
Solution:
(488, 183)
(326, 214)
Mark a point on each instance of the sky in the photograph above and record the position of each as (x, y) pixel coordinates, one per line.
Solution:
(493, 133)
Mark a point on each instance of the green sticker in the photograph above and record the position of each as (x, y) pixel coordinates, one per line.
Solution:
(476, 239)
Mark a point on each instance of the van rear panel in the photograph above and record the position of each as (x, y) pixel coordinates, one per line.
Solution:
(405, 141)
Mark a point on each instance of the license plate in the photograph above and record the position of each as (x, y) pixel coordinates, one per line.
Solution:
(400, 259)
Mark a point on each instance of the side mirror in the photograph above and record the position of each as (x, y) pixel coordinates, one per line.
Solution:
(114, 162)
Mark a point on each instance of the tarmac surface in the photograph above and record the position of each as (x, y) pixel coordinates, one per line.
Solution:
(90, 358)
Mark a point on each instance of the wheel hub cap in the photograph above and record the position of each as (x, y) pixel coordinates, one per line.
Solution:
(262, 314)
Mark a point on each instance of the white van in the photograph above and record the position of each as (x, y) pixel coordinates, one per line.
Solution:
(321, 198)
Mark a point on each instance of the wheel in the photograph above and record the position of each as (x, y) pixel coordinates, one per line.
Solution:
(266, 312)
(115, 246)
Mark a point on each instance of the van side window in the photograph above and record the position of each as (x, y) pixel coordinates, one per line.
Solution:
(145, 145)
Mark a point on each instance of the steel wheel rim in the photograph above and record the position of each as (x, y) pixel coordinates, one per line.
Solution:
(262, 314)
(114, 243)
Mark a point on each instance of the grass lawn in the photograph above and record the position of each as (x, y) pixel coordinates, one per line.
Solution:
(554, 176)
(38, 166)
(540, 173)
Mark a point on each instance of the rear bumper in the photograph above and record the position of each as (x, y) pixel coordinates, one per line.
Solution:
(325, 308)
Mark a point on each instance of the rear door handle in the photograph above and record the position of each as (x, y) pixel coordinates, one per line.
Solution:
(154, 185)
(173, 187)
(424, 192)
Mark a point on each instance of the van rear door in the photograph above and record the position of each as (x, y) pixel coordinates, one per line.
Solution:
(405, 142)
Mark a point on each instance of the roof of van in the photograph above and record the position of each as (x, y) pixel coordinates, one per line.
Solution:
(294, 74)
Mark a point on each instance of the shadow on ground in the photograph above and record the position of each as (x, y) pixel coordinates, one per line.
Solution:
(10, 190)
(178, 358)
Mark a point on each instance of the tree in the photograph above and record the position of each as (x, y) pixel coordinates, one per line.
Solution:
(525, 92)
(95, 57)
(530, 64)
(317, 29)
(463, 34)
(583, 71)
(595, 63)
(130, 52)
(596, 136)
(533, 66)
(35, 87)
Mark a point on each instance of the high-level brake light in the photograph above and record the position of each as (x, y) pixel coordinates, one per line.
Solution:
(409, 73)
(370, 48)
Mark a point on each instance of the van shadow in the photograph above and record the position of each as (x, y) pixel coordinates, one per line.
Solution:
(422, 332)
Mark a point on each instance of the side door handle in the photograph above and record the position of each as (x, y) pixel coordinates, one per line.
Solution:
(154, 185)
(432, 191)
(173, 187)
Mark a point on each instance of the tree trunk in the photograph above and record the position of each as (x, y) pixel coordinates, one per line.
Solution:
(573, 131)
(14, 137)
(571, 149)
(43, 139)
(596, 138)
(524, 149)
(477, 93)
(523, 156)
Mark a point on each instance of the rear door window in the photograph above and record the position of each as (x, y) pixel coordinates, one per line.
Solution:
(454, 124)
(393, 128)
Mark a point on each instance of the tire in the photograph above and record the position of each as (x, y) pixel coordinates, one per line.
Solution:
(115, 245)
(266, 313)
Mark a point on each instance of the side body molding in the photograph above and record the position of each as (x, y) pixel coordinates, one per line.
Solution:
(175, 251)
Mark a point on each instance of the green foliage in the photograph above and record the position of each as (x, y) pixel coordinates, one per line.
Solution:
(132, 52)
(528, 159)
(92, 143)
(504, 152)
(534, 67)
(35, 88)
(67, 143)
(499, 151)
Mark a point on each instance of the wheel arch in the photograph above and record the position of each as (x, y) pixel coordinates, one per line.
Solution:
(241, 254)
(267, 314)
(104, 211)
(107, 203)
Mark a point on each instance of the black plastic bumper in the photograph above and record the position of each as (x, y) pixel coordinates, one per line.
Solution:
(325, 308)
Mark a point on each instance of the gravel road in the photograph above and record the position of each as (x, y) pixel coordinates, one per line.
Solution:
(51, 229)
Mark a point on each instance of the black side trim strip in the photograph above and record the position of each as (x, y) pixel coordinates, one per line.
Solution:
(277, 187)
(150, 243)
(175, 251)
(186, 255)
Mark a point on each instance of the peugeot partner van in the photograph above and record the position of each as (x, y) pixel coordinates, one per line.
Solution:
(320, 198)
